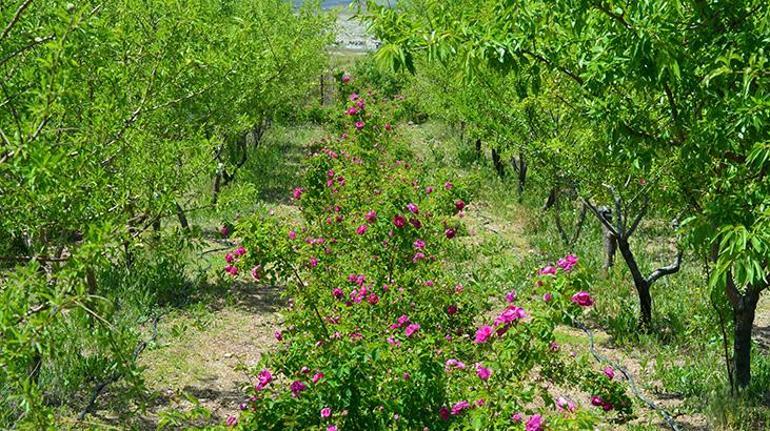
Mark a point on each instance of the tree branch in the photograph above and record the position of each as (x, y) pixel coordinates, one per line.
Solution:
(601, 217)
(15, 19)
(639, 216)
(666, 270)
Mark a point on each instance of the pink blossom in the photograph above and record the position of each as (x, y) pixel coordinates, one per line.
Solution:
(231, 421)
(317, 377)
(296, 388)
(411, 329)
(510, 315)
(609, 372)
(224, 231)
(428, 190)
(510, 296)
(582, 299)
(547, 297)
(459, 205)
(399, 221)
(337, 293)
(412, 208)
(313, 262)
(517, 417)
(232, 270)
(535, 423)
(450, 233)
(406, 376)
(448, 185)
(360, 125)
(292, 235)
(418, 257)
(278, 335)
(547, 270)
(353, 97)
(297, 193)
(567, 262)
(352, 111)
(554, 346)
(264, 377)
(483, 334)
(345, 78)
(428, 283)
(361, 229)
(564, 404)
(416, 223)
(331, 428)
(451, 310)
(361, 104)
(419, 244)
(371, 216)
(459, 288)
(452, 364)
(388, 126)
(373, 298)
(392, 341)
(255, 272)
(326, 412)
(597, 401)
(240, 251)
(443, 413)
(459, 407)
(483, 372)
(229, 258)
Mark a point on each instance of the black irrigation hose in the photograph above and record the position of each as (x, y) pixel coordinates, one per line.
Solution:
(114, 377)
(629, 377)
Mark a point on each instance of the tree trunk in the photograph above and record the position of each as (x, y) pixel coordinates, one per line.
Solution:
(498, 163)
(522, 169)
(641, 284)
(182, 217)
(609, 240)
(743, 314)
(478, 149)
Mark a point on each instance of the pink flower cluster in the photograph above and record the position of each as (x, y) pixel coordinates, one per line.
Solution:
(565, 264)
(232, 257)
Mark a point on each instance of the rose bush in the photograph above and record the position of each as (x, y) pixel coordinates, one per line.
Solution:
(381, 332)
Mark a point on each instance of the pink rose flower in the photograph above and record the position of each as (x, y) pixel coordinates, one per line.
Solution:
(360, 125)
(483, 372)
(547, 297)
(459, 205)
(535, 423)
(450, 233)
(371, 216)
(317, 377)
(547, 270)
(231, 421)
(326, 412)
(609, 372)
(419, 244)
(583, 299)
(517, 417)
(296, 388)
(412, 208)
(483, 334)
(297, 193)
(264, 378)
(361, 229)
(278, 335)
(510, 296)
(399, 221)
(459, 407)
(411, 329)
(345, 78)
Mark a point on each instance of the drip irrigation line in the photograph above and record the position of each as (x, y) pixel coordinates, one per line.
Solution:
(114, 377)
(629, 377)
